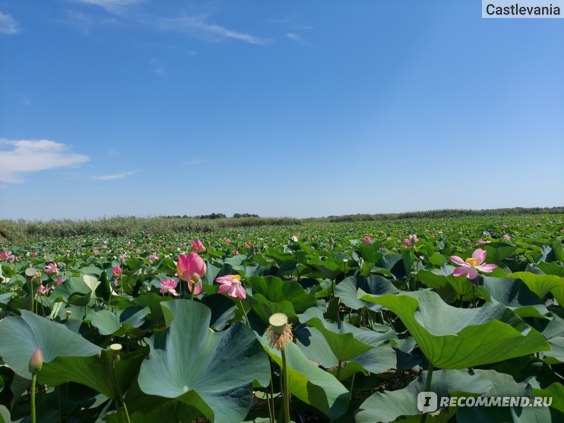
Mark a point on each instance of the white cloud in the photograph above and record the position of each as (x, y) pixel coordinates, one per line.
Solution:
(110, 5)
(157, 67)
(19, 157)
(296, 38)
(25, 100)
(114, 176)
(196, 162)
(198, 25)
(190, 24)
(8, 25)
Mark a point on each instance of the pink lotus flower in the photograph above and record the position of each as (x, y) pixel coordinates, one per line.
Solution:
(247, 245)
(367, 240)
(60, 281)
(234, 252)
(227, 241)
(232, 285)
(507, 237)
(51, 269)
(36, 362)
(198, 247)
(481, 241)
(42, 289)
(470, 266)
(169, 286)
(116, 271)
(152, 258)
(191, 268)
(408, 242)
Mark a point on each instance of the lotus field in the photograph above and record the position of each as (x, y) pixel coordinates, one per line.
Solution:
(316, 322)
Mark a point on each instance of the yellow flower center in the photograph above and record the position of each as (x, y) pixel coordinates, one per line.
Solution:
(472, 261)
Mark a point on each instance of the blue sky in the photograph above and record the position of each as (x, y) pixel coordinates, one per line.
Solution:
(280, 108)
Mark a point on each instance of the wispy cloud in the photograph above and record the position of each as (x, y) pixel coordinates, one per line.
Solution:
(197, 24)
(25, 100)
(296, 38)
(8, 25)
(157, 67)
(196, 162)
(110, 5)
(114, 176)
(18, 157)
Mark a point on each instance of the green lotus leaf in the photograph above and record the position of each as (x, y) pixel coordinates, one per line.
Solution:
(273, 295)
(388, 406)
(212, 371)
(515, 295)
(105, 321)
(345, 340)
(311, 384)
(4, 415)
(276, 290)
(29, 332)
(543, 284)
(455, 338)
(378, 285)
(556, 392)
(96, 372)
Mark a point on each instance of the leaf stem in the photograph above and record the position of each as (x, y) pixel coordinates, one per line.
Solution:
(285, 387)
(427, 388)
(33, 384)
(240, 303)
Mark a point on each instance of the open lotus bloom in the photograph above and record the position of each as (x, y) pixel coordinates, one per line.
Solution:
(169, 286)
(470, 266)
(232, 285)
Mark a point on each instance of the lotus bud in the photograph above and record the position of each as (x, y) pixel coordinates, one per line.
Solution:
(36, 362)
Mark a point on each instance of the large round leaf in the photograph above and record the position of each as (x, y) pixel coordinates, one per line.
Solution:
(29, 332)
(213, 371)
(455, 338)
(309, 383)
(388, 406)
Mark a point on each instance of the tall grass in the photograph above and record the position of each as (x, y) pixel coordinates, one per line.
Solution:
(127, 226)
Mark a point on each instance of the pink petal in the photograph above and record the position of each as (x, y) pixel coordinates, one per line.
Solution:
(223, 288)
(480, 255)
(486, 267)
(458, 260)
(472, 273)
(241, 292)
(195, 288)
(460, 271)
(224, 279)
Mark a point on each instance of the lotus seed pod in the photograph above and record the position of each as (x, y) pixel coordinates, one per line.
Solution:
(278, 321)
(116, 347)
(279, 331)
